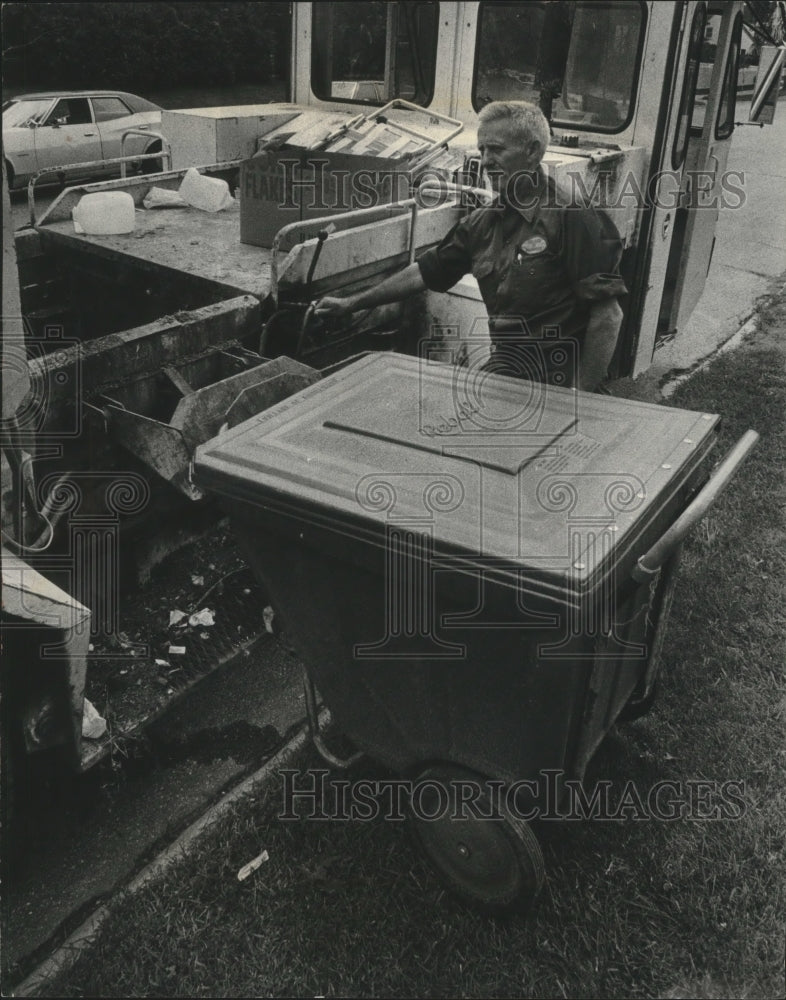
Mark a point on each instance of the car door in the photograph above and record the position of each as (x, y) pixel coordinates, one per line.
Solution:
(68, 135)
(114, 117)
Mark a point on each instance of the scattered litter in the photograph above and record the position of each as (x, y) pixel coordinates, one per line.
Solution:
(162, 681)
(204, 635)
(163, 663)
(246, 590)
(90, 648)
(158, 197)
(252, 866)
(123, 672)
(204, 617)
(198, 581)
(175, 617)
(93, 724)
(177, 650)
(668, 756)
(268, 615)
(212, 566)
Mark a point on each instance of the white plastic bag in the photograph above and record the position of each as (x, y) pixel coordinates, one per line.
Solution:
(163, 198)
(210, 194)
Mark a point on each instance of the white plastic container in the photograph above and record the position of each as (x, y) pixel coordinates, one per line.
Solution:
(210, 194)
(105, 213)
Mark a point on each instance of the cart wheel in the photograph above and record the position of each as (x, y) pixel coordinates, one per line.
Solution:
(493, 863)
(637, 708)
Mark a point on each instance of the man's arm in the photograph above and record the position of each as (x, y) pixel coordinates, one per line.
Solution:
(599, 343)
(398, 286)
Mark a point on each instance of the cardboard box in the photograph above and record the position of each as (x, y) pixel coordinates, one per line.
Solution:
(295, 185)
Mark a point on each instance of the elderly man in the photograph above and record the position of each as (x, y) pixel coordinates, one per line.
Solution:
(547, 270)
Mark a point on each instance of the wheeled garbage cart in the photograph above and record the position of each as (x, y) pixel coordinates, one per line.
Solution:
(477, 571)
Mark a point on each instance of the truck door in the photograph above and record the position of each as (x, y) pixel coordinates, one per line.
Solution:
(701, 151)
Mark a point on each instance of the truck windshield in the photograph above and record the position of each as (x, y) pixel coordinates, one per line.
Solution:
(577, 61)
(372, 52)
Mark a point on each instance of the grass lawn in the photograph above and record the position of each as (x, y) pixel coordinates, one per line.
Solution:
(689, 908)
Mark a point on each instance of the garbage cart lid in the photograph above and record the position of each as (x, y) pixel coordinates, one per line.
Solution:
(537, 482)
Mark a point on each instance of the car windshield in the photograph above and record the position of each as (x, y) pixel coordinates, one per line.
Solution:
(20, 113)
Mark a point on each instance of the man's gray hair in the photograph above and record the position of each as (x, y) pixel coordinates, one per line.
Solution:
(525, 116)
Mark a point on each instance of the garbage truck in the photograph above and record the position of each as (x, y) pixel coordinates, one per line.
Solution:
(125, 350)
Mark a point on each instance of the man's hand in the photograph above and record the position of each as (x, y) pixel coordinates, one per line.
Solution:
(334, 307)
(393, 289)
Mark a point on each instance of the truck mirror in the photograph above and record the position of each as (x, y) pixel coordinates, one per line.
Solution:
(768, 83)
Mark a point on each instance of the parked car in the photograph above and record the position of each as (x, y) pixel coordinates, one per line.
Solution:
(58, 128)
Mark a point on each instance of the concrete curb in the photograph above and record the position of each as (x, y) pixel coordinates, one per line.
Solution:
(69, 951)
(749, 327)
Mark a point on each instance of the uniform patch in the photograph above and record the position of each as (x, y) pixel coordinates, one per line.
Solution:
(535, 244)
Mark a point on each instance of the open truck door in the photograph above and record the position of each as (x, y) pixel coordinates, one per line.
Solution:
(701, 152)
(767, 85)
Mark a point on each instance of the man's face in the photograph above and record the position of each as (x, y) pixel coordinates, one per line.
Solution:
(505, 152)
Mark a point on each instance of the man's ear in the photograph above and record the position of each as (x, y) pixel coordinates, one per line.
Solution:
(535, 151)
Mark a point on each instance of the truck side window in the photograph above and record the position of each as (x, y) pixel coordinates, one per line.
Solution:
(707, 58)
(373, 52)
(689, 86)
(724, 126)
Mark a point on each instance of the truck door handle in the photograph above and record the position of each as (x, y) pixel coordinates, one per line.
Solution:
(91, 133)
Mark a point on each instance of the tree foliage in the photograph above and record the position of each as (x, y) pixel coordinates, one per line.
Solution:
(144, 45)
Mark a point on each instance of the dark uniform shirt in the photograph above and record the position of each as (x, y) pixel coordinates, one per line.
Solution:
(539, 266)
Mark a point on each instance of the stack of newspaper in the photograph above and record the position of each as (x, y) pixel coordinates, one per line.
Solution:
(376, 139)
(366, 135)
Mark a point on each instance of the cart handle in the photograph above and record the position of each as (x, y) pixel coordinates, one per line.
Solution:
(650, 563)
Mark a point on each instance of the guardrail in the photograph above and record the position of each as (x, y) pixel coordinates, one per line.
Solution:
(412, 205)
(165, 153)
(166, 149)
